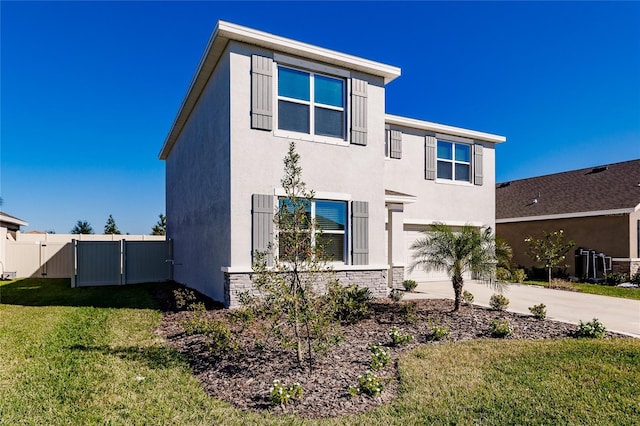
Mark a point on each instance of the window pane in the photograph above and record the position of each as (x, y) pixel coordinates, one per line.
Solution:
(329, 91)
(293, 84)
(292, 116)
(331, 215)
(286, 220)
(333, 246)
(445, 150)
(444, 170)
(462, 172)
(329, 122)
(293, 246)
(463, 153)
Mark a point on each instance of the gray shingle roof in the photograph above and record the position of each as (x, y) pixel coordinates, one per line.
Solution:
(607, 187)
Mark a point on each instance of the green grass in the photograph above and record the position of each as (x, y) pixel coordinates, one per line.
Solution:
(603, 290)
(88, 356)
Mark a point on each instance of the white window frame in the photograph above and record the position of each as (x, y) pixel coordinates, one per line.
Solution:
(313, 69)
(453, 162)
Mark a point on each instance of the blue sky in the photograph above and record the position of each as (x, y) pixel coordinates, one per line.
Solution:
(89, 90)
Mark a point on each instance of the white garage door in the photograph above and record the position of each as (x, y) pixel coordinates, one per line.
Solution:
(411, 234)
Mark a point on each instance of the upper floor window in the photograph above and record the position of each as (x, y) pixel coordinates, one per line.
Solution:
(311, 103)
(454, 161)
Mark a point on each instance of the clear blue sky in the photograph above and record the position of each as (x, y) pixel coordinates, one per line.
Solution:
(89, 90)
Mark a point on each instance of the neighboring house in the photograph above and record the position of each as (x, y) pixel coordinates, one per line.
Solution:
(379, 179)
(9, 226)
(597, 207)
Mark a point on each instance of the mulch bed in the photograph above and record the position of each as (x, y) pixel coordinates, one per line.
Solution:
(243, 377)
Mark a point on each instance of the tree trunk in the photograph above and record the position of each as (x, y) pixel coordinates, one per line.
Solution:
(549, 277)
(457, 289)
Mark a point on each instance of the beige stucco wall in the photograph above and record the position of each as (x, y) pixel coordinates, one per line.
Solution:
(257, 161)
(634, 238)
(607, 234)
(452, 203)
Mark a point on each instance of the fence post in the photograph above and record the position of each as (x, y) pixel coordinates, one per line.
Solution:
(74, 262)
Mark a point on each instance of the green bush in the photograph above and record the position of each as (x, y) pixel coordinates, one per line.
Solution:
(498, 302)
(396, 294)
(409, 312)
(439, 332)
(351, 303)
(592, 330)
(615, 278)
(368, 384)
(500, 328)
(409, 285)
(379, 357)
(635, 278)
(281, 394)
(467, 297)
(539, 311)
(503, 274)
(398, 338)
(518, 276)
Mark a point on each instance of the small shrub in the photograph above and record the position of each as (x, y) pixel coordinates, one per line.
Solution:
(518, 276)
(539, 311)
(439, 332)
(368, 384)
(467, 297)
(500, 328)
(396, 294)
(592, 330)
(503, 274)
(498, 302)
(635, 278)
(280, 394)
(561, 284)
(398, 338)
(409, 313)
(410, 285)
(351, 304)
(379, 357)
(184, 298)
(615, 278)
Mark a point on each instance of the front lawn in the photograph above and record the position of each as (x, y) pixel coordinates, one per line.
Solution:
(603, 290)
(90, 356)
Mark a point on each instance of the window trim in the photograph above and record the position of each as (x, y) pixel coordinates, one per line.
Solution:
(453, 161)
(313, 69)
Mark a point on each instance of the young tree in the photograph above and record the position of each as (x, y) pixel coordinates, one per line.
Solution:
(110, 227)
(549, 251)
(292, 289)
(160, 228)
(455, 253)
(82, 227)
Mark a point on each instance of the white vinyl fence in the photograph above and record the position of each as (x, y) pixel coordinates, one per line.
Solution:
(90, 259)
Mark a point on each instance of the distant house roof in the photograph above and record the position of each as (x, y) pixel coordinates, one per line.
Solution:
(594, 191)
(11, 222)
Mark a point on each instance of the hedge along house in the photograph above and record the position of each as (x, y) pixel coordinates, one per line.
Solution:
(597, 207)
(379, 179)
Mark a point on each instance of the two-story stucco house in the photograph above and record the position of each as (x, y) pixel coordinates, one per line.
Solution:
(379, 179)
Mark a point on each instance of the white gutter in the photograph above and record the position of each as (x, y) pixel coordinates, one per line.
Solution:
(442, 128)
(12, 220)
(566, 215)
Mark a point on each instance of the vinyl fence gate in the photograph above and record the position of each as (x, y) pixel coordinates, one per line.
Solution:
(121, 262)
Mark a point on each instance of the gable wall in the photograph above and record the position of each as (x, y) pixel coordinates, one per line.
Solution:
(197, 190)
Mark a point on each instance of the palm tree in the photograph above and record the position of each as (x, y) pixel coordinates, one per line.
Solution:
(442, 249)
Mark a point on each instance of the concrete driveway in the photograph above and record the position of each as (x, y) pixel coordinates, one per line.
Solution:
(620, 315)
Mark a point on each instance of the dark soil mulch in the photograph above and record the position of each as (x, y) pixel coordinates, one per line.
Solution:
(244, 376)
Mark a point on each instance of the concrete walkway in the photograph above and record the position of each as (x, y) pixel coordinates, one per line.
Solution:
(617, 314)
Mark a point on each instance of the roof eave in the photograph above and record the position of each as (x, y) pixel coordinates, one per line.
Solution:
(13, 220)
(226, 31)
(443, 128)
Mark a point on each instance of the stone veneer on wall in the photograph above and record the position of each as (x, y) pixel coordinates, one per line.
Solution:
(374, 280)
(397, 277)
(626, 266)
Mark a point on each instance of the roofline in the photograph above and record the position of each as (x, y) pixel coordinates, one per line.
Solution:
(226, 31)
(14, 220)
(443, 128)
(569, 215)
